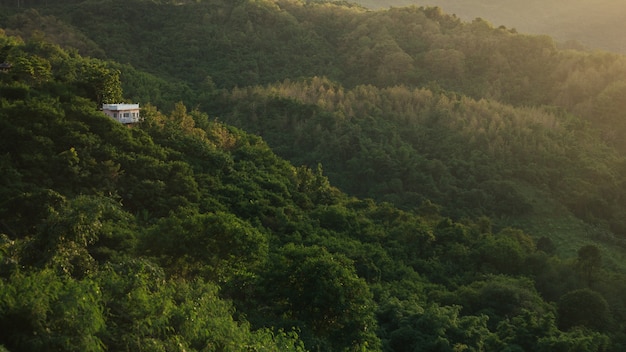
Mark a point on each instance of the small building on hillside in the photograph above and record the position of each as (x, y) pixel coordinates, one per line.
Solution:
(123, 113)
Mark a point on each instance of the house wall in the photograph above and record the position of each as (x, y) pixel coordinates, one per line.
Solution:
(123, 113)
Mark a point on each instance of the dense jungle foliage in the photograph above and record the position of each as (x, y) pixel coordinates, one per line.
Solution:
(308, 176)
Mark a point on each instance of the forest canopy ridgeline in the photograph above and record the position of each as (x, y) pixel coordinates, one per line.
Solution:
(307, 176)
(575, 23)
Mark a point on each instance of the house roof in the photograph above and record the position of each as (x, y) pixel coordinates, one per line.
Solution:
(118, 107)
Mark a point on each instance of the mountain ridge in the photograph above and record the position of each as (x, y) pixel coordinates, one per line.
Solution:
(588, 23)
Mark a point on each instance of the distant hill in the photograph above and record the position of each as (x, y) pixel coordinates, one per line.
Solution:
(596, 24)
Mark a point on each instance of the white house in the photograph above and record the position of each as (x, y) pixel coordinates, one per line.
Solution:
(123, 113)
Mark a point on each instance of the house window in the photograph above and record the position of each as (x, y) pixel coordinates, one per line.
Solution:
(126, 114)
(114, 115)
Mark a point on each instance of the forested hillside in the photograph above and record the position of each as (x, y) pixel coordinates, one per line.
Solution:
(307, 176)
(593, 24)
